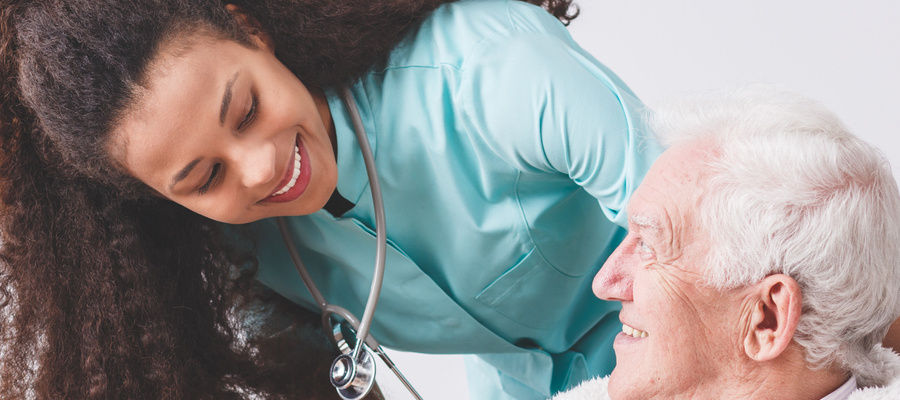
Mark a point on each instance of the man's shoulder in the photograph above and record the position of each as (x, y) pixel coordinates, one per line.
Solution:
(890, 391)
(594, 389)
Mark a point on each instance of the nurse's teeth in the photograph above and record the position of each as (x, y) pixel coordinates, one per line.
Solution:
(633, 332)
(294, 175)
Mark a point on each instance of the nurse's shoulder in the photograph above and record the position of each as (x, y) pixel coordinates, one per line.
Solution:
(463, 28)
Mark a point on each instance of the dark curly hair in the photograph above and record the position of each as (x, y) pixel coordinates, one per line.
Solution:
(106, 290)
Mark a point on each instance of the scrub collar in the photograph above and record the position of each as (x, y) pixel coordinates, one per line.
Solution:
(352, 179)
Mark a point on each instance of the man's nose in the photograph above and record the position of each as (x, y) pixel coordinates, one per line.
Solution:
(615, 280)
(257, 163)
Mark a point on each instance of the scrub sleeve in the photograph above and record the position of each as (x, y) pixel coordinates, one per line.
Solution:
(561, 113)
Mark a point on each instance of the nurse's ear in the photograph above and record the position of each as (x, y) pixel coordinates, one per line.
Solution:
(252, 27)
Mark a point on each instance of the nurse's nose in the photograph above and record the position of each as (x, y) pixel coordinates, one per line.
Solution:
(256, 163)
(615, 280)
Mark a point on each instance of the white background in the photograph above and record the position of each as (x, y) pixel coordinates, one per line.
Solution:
(845, 54)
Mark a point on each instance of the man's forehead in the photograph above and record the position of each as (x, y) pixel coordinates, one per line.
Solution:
(683, 164)
(673, 185)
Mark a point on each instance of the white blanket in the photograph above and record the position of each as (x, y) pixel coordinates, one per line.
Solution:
(595, 389)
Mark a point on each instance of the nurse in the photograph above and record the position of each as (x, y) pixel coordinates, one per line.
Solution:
(506, 155)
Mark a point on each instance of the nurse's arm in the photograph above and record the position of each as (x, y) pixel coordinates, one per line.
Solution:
(545, 105)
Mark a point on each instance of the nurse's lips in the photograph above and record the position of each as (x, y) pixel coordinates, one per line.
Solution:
(295, 178)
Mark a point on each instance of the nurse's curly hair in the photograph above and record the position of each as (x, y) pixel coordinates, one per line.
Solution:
(110, 292)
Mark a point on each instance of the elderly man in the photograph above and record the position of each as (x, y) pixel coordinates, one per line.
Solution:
(762, 260)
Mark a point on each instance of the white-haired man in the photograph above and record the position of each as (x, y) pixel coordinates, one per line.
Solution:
(762, 260)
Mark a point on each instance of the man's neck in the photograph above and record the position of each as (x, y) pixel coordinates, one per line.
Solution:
(788, 377)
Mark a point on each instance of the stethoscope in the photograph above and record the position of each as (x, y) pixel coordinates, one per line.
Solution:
(353, 371)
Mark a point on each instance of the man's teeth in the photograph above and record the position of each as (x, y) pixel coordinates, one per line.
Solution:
(294, 175)
(633, 332)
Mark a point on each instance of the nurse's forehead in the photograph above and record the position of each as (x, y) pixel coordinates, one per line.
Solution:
(184, 77)
(178, 100)
(184, 81)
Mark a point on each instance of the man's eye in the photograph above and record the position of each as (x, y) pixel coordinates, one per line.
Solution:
(645, 250)
(212, 178)
(251, 114)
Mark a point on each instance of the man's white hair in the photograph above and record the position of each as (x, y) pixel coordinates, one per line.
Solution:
(792, 191)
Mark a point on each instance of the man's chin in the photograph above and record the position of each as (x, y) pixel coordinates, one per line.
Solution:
(619, 387)
(630, 383)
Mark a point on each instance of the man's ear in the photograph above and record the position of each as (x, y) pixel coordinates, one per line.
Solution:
(252, 27)
(772, 318)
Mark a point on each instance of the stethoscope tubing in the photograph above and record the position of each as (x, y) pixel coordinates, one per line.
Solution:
(361, 327)
(327, 309)
(380, 231)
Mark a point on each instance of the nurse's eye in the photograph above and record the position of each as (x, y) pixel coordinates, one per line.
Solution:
(251, 114)
(213, 175)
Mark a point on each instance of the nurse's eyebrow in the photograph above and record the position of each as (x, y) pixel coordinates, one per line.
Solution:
(226, 99)
(183, 173)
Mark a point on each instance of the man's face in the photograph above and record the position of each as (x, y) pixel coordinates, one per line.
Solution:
(678, 335)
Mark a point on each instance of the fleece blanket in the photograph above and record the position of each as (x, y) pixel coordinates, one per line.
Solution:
(596, 390)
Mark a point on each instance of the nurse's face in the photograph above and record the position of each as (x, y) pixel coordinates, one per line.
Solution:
(228, 132)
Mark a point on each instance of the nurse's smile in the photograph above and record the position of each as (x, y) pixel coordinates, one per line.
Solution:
(295, 177)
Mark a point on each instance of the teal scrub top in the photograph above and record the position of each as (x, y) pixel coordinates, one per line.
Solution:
(506, 155)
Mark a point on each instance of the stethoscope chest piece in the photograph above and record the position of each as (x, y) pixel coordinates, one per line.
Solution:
(353, 379)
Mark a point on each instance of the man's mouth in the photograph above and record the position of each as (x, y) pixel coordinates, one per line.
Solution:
(633, 332)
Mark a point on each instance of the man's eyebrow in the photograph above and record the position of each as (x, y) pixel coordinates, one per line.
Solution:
(183, 173)
(226, 98)
(644, 221)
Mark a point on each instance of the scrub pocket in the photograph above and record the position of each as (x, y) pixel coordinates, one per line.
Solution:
(390, 243)
(532, 293)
